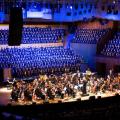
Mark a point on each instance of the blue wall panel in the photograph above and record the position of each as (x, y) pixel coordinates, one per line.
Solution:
(88, 51)
(2, 16)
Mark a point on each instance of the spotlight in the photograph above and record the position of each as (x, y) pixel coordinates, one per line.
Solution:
(71, 7)
(114, 2)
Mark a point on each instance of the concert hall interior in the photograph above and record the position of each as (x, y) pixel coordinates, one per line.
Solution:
(60, 59)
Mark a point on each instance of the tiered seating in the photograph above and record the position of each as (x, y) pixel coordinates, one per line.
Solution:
(31, 61)
(112, 49)
(3, 36)
(88, 36)
(42, 35)
(36, 35)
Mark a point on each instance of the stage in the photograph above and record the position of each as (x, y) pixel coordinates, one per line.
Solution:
(5, 98)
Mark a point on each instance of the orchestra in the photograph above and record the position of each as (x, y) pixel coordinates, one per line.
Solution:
(49, 87)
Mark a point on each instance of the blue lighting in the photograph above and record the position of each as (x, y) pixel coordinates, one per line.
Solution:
(2, 16)
(70, 7)
(114, 2)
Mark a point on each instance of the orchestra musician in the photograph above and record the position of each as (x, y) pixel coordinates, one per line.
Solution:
(40, 93)
(65, 85)
(14, 93)
(84, 88)
(28, 92)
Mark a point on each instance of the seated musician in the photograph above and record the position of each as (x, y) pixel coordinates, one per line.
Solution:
(88, 73)
(104, 86)
(15, 93)
(50, 93)
(115, 84)
(111, 74)
(40, 93)
(28, 93)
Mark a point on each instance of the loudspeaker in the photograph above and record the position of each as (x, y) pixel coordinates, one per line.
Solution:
(15, 26)
(99, 97)
(59, 101)
(92, 98)
(117, 94)
(79, 99)
(33, 103)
